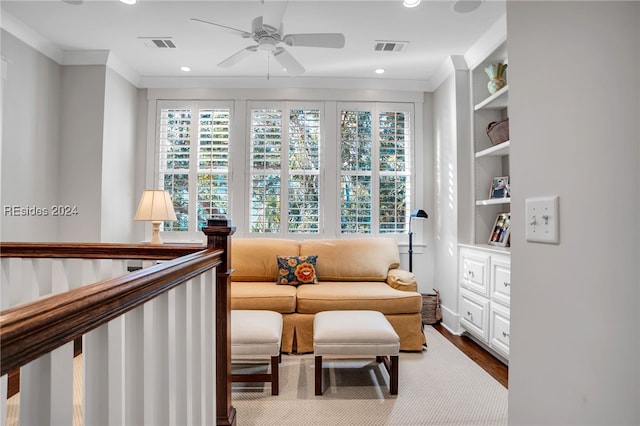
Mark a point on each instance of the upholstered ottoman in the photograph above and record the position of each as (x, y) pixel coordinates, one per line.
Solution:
(256, 334)
(355, 333)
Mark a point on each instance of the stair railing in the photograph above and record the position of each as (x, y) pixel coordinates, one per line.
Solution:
(155, 342)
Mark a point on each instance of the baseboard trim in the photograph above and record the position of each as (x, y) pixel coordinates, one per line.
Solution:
(451, 320)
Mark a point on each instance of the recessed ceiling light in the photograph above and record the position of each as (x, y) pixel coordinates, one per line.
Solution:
(185, 69)
(466, 6)
(411, 3)
(379, 71)
(128, 1)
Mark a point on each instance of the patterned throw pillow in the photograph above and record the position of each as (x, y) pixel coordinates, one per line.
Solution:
(294, 270)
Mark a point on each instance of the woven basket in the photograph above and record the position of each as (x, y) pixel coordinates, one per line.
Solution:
(498, 131)
(431, 312)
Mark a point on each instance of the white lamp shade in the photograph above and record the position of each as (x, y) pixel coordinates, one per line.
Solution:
(155, 205)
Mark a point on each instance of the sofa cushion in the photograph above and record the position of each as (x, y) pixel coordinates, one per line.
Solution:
(374, 296)
(359, 259)
(294, 270)
(263, 296)
(255, 259)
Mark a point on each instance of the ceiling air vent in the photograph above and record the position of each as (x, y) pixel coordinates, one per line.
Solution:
(158, 42)
(390, 46)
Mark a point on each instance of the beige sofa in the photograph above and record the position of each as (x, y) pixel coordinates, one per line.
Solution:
(353, 274)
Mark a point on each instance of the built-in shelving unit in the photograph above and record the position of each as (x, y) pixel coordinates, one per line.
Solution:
(490, 161)
(484, 274)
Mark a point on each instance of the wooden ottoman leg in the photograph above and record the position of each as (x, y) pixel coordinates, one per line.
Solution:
(393, 375)
(318, 374)
(275, 384)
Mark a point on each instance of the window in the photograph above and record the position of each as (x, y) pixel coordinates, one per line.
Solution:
(285, 169)
(301, 172)
(375, 169)
(193, 162)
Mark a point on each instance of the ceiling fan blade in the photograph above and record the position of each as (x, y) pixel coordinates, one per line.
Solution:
(242, 33)
(288, 62)
(335, 40)
(238, 56)
(272, 13)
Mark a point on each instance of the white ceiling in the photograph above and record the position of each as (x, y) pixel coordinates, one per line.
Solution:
(434, 32)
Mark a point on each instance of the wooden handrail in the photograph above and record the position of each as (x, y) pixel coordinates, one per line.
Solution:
(36, 328)
(33, 329)
(97, 250)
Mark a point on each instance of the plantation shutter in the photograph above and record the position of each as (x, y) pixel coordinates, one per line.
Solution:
(285, 169)
(303, 199)
(395, 170)
(375, 164)
(193, 163)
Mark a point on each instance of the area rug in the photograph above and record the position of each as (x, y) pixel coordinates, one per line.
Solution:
(439, 386)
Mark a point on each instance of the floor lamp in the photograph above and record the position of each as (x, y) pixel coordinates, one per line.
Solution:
(420, 214)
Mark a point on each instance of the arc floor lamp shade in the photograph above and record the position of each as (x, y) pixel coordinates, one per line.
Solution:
(155, 206)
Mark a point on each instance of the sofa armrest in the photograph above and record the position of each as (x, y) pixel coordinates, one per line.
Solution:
(402, 280)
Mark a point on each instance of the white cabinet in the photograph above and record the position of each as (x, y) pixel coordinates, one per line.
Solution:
(474, 314)
(499, 329)
(485, 289)
(501, 279)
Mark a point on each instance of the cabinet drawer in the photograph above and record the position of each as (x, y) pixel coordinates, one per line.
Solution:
(474, 312)
(501, 280)
(474, 272)
(500, 330)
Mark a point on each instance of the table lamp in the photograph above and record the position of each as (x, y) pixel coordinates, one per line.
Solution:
(155, 206)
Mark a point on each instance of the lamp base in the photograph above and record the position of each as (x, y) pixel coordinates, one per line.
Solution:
(155, 238)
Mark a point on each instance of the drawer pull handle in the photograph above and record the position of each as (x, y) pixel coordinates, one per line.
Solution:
(470, 315)
(506, 284)
(471, 274)
(505, 334)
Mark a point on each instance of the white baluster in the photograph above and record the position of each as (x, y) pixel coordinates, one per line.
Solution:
(178, 354)
(194, 342)
(62, 385)
(96, 376)
(156, 347)
(46, 389)
(3, 398)
(208, 282)
(134, 394)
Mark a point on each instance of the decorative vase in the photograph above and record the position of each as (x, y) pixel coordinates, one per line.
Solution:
(496, 77)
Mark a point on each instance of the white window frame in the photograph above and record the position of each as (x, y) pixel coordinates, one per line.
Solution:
(286, 107)
(375, 108)
(193, 233)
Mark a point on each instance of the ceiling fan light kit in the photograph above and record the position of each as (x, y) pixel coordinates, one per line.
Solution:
(267, 32)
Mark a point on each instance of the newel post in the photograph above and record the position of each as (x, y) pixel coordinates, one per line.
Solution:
(218, 232)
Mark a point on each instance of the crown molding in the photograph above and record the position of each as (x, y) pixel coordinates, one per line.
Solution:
(32, 38)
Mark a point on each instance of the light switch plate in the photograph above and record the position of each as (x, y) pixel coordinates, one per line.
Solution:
(542, 220)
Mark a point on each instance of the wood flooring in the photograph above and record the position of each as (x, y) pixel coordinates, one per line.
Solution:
(478, 354)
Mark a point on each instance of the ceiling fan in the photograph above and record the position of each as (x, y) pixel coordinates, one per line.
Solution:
(267, 32)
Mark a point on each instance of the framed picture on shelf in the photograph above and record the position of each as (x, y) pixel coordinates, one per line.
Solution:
(500, 187)
(501, 230)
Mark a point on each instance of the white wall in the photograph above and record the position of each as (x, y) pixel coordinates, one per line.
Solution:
(82, 123)
(451, 112)
(119, 196)
(574, 72)
(30, 141)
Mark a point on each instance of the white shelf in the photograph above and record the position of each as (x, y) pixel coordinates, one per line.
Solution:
(499, 150)
(498, 100)
(493, 201)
